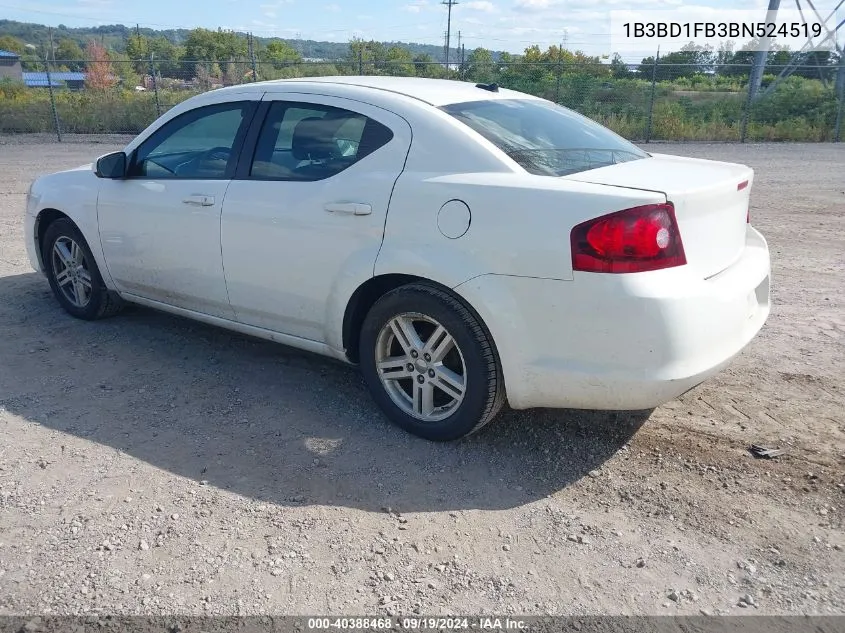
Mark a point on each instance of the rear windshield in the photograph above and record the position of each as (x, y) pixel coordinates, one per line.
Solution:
(545, 139)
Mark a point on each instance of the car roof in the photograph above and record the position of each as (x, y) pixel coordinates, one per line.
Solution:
(436, 92)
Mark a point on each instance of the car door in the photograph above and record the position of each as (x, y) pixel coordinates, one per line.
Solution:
(160, 226)
(305, 216)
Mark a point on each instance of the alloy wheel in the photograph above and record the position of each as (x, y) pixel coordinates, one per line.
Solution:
(421, 367)
(71, 273)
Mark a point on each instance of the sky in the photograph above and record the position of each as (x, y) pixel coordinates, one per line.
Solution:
(509, 25)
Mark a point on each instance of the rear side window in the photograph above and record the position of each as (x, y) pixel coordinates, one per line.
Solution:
(309, 142)
(545, 139)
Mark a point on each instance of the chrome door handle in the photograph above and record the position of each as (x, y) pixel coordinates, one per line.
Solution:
(349, 208)
(199, 200)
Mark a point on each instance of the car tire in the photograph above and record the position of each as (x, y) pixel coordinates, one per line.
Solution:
(440, 379)
(73, 274)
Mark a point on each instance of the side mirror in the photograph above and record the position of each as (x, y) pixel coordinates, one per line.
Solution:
(111, 166)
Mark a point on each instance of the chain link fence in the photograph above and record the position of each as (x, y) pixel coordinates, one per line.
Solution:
(642, 102)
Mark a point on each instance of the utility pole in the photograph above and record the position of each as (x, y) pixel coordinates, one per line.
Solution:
(559, 71)
(52, 50)
(138, 38)
(459, 40)
(651, 102)
(449, 4)
(155, 83)
(251, 42)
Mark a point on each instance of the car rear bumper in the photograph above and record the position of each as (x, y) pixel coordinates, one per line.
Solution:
(630, 341)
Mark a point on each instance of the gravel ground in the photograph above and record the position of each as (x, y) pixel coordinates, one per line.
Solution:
(151, 465)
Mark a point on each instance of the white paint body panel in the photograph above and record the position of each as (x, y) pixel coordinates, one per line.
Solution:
(74, 192)
(520, 224)
(285, 269)
(291, 265)
(161, 249)
(629, 341)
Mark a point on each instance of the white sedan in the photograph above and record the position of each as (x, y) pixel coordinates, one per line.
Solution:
(464, 244)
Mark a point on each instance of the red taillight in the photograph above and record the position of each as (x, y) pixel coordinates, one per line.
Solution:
(630, 241)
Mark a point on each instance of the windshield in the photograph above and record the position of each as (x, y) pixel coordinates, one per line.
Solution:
(545, 139)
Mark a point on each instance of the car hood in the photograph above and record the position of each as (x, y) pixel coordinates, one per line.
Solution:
(67, 174)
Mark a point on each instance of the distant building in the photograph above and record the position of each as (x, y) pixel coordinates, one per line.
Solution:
(72, 81)
(10, 68)
(10, 65)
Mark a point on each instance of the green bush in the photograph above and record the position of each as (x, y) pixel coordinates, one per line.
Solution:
(84, 112)
(11, 89)
(797, 99)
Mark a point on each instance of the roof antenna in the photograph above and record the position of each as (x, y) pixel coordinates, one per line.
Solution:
(489, 87)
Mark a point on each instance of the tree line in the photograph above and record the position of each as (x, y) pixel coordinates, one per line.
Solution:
(115, 36)
(699, 93)
(206, 57)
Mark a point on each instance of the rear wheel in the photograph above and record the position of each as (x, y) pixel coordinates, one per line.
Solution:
(430, 364)
(73, 273)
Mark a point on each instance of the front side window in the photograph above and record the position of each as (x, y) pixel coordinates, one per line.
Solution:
(309, 142)
(196, 145)
(545, 139)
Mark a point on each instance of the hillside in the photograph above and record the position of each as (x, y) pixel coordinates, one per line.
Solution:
(113, 37)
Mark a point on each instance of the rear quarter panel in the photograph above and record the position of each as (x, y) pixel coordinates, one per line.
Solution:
(520, 224)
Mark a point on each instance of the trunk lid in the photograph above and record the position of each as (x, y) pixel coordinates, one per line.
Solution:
(711, 205)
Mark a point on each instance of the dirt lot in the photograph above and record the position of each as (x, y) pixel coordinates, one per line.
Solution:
(152, 465)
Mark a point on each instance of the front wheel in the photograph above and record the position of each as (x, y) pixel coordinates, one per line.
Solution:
(73, 273)
(430, 364)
